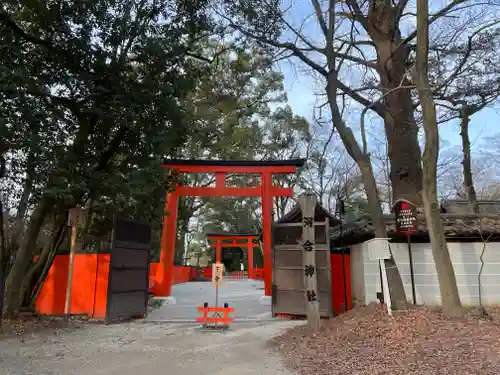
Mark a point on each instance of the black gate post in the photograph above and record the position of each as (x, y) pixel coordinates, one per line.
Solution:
(128, 280)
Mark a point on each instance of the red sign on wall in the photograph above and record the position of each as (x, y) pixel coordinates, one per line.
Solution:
(406, 217)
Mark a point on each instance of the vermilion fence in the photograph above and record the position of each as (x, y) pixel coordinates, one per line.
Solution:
(341, 273)
(90, 283)
(259, 273)
(89, 286)
(180, 275)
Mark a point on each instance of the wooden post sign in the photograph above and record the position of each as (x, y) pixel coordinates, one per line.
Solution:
(76, 219)
(217, 274)
(307, 204)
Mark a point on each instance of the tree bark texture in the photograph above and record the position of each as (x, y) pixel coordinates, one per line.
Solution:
(396, 287)
(466, 162)
(13, 285)
(36, 274)
(362, 158)
(450, 298)
(400, 126)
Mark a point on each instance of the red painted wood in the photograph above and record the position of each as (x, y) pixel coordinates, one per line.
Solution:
(218, 252)
(267, 221)
(250, 257)
(267, 191)
(233, 237)
(338, 295)
(216, 309)
(207, 273)
(193, 191)
(234, 244)
(165, 270)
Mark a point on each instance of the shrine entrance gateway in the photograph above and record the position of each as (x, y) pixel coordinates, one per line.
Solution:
(234, 238)
(266, 190)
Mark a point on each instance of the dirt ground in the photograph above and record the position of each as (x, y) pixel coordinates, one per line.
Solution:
(163, 343)
(366, 341)
(144, 348)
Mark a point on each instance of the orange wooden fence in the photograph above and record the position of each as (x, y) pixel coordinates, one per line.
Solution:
(180, 275)
(89, 285)
(259, 273)
(341, 272)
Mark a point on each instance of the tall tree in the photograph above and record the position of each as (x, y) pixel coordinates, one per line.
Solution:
(326, 61)
(450, 298)
(367, 37)
(329, 172)
(106, 80)
(465, 82)
(231, 109)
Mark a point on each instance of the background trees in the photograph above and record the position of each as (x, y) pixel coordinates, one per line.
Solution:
(91, 99)
(94, 95)
(376, 39)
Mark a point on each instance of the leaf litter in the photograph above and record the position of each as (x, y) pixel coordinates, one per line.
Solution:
(421, 340)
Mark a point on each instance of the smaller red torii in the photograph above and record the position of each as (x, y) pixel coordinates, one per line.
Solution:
(234, 237)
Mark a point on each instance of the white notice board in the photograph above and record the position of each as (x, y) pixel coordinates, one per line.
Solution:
(378, 248)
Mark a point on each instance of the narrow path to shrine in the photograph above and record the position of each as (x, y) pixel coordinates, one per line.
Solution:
(150, 347)
(244, 296)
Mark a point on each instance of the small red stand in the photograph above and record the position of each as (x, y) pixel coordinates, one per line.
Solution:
(218, 320)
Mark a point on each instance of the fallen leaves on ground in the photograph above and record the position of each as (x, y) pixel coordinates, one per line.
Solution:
(28, 324)
(418, 341)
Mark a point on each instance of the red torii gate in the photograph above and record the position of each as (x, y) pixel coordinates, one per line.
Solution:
(266, 170)
(249, 244)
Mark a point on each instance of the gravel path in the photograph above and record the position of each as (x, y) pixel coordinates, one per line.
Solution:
(145, 349)
(159, 344)
(244, 296)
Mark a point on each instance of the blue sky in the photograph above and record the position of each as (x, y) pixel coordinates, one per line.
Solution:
(300, 87)
(300, 91)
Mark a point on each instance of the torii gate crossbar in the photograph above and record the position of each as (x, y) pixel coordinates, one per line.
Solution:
(248, 243)
(266, 190)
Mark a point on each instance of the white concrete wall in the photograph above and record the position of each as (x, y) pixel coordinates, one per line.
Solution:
(466, 263)
(357, 275)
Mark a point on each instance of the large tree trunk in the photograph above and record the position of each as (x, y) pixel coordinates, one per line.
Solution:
(179, 246)
(24, 256)
(21, 212)
(466, 162)
(183, 217)
(362, 158)
(35, 272)
(396, 287)
(399, 121)
(450, 298)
